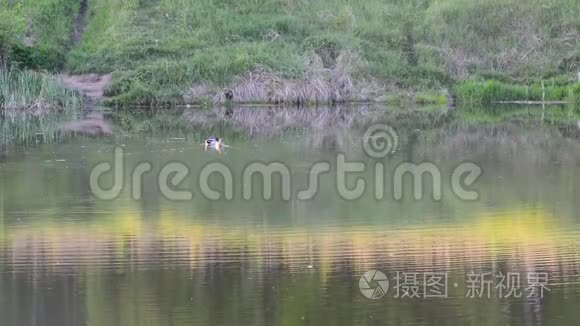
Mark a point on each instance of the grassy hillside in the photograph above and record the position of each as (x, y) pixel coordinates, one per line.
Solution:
(297, 50)
(36, 34)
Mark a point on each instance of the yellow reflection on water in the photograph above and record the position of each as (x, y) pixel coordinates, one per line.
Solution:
(519, 237)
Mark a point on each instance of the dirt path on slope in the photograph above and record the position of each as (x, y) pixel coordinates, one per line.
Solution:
(81, 21)
(93, 86)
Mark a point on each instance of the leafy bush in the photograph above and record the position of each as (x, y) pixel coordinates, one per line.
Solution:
(12, 25)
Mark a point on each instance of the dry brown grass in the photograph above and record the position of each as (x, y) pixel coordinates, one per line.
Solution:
(318, 85)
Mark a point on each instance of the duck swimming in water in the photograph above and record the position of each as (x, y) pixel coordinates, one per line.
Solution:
(214, 142)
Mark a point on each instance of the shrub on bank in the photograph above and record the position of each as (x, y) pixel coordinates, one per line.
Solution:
(37, 34)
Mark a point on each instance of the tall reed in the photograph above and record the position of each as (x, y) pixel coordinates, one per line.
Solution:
(28, 90)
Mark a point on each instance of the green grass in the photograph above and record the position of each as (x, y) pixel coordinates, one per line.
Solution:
(27, 90)
(492, 91)
(159, 49)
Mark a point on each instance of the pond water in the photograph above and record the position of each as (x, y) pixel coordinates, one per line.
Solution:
(70, 257)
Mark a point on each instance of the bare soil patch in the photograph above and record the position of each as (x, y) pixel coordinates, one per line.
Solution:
(92, 86)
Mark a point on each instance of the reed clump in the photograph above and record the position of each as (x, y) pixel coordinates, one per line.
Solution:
(33, 91)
